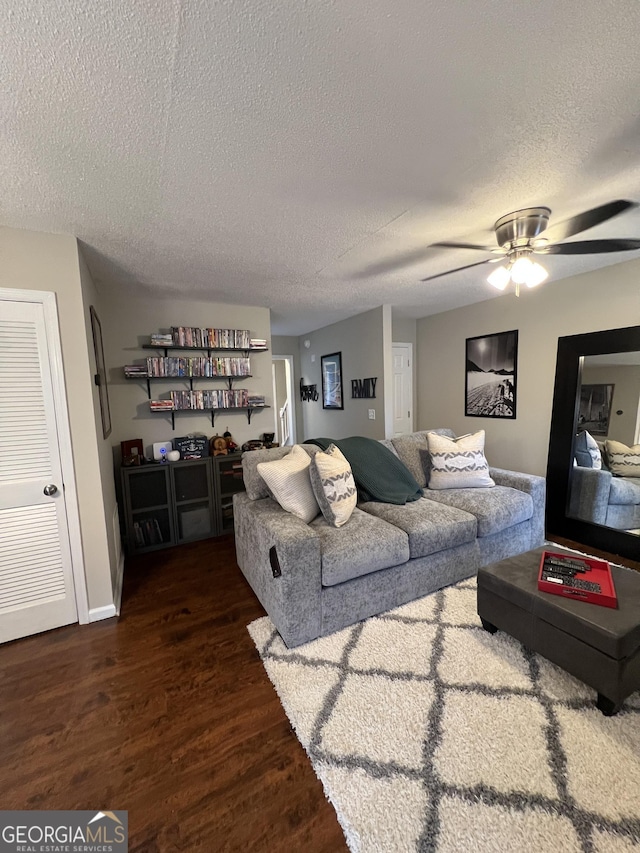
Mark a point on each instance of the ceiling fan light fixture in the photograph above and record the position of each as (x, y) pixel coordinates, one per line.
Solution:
(537, 274)
(500, 278)
(521, 269)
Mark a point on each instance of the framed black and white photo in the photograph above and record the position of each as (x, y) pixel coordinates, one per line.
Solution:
(100, 377)
(595, 409)
(491, 375)
(332, 381)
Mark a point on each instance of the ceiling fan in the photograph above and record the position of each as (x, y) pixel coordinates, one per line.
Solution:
(524, 233)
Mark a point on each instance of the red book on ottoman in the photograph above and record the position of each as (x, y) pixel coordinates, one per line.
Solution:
(577, 577)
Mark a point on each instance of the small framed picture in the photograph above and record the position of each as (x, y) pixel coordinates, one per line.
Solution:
(132, 452)
(100, 377)
(332, 381)
(595, 408)
(491, 374)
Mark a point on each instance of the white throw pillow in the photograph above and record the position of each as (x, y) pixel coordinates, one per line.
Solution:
(458, 463)
(333, 485)
(622, 460)
(289, 481)
(594, 451)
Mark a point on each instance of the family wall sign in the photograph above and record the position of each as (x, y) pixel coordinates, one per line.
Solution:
(363, 388)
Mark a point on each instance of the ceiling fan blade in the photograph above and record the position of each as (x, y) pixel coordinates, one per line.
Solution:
(589, 247)
(468, 246)
(396, 263)
(459, 269)
(585, 220)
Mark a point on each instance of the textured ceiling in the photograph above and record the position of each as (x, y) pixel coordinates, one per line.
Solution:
(286, 153)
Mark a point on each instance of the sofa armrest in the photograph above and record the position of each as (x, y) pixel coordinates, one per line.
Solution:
(533, 485)
(589, 494)
(293, 598)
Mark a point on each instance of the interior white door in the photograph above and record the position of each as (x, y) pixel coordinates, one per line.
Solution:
(402, 389)
(36, 580)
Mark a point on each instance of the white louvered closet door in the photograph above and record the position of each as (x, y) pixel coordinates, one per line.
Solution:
(36, 581)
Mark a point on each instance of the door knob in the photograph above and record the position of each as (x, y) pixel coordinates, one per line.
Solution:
(51, 489)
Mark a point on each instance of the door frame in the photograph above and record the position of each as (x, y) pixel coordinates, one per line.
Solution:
(289, 374)
(54, 348)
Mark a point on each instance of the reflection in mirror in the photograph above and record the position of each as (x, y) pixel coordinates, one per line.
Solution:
(593, 470)
(605, 481)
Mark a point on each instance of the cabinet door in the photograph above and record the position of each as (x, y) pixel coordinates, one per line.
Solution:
(193, 495)
(228, 481)
(148, 509)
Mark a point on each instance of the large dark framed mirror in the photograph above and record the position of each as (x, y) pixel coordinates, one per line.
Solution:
(593, 485)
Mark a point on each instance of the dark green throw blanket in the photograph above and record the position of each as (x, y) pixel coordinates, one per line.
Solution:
(378, 473)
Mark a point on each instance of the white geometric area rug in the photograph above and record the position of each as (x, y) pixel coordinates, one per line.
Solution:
(429, 734)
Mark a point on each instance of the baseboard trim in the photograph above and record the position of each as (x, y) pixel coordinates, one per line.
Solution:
(98, 613)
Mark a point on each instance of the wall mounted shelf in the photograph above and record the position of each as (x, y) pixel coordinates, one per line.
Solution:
(173, 412)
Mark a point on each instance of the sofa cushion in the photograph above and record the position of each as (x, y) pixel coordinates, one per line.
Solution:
(495, 508)
(414, 452)
(622, 460)
(288, 478)
(430, 526)
(458, 463)
(255, 486)
(333, 485)
(624, 491)
(587, 451)
(364, 544)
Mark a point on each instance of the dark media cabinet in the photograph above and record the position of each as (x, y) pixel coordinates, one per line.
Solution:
(172, 503)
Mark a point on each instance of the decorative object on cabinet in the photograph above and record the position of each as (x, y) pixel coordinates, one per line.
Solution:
(232, 447)
(192, 446)
(219, 446)
(332, 381)
(132, 452)
(100, 377)
(160, 449)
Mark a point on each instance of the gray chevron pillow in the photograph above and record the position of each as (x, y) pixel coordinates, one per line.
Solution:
(333, 485)
(458, 463)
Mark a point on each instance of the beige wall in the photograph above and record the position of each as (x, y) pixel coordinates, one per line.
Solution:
(49, 262)
(626, 397)
(111, 549)
(604, 299)
(128, 325)
(361, 340)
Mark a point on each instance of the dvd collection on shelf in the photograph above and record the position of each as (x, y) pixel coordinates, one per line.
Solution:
(197, 366)
(239, 398)
(189, 336)
(147, 532)
(215, 399)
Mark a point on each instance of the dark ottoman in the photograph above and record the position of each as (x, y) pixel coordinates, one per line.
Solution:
(598, 645)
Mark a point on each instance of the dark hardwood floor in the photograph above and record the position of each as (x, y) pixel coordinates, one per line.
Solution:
(166, 712)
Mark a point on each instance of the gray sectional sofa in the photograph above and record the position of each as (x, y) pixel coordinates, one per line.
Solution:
(597, 496)
(314, 579)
